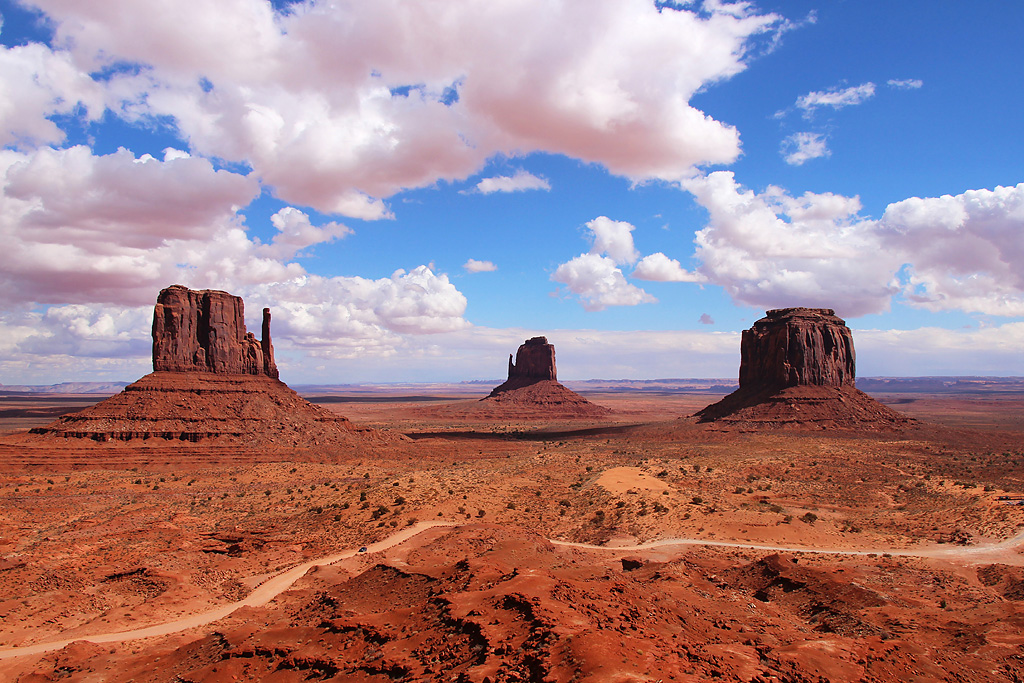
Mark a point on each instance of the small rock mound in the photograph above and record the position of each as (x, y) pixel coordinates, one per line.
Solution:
(213, 381)
(797, 369)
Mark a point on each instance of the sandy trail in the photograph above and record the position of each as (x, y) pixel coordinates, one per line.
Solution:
(277, 584)
(263, 594)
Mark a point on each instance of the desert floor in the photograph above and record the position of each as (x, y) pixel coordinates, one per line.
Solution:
(784, 555)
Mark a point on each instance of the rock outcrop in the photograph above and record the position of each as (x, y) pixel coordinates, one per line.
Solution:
(535, 362)
(212, 381)
(797, 368)
(532, 387)
(204, 331)
(797, 346)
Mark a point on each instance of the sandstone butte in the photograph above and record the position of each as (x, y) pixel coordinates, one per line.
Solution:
(798, 368)
(212, 381)
(532, 385)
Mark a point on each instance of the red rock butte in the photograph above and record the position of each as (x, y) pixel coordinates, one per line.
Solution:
(532, 386)
(212, 382)
(205, 332)
(797, 368)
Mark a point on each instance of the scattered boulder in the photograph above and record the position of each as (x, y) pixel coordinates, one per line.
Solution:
(798, 368)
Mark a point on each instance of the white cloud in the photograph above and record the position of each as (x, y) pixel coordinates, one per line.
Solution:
(599, 283)
(836, 98)
(614, 238)
(338, 317)
(801, 147)
(80, 228)
(660, 268)
(296, 232)
(36, 83)
(905, 84)
(770, 250)
(992, 351)
(596, 277)
(474, 266)
(963, 252)
(518, 182)
(101, 235)
(339, 105)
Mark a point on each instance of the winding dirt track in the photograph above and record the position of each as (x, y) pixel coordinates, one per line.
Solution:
(277, 584)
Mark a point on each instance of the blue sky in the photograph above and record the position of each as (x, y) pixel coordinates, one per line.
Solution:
(416, 187)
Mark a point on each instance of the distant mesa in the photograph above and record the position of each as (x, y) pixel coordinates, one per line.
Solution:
(212, 380)
(532, 385)
(797, 368)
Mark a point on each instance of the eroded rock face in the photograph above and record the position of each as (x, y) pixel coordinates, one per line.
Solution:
(797, 347)
(797, 370)
(204, 331)
(535, 360)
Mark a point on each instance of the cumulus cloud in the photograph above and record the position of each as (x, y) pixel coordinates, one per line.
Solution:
(770, 249)
(802, 147)
(905, 84)
(660, 268)
(296, 232)
(706, 319)
(474, 266)
(599, 283)
(35, 84)
(962, 252)
(614, 238)
(340, 105)
(835, 98)
(596, 277)
(520, 181)
(98, 236)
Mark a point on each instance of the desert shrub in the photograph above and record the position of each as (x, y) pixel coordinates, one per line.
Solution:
(400, 500)
(658, 507)
(481, 512)
(809, 518)
(565, 503)
(697, 500)
(740, 489)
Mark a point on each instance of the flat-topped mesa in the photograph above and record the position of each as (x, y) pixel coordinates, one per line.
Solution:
(204, 331)
(535, 360)
(797, 347)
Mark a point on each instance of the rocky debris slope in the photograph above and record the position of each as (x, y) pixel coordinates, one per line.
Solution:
(797, 368)
(212, 380)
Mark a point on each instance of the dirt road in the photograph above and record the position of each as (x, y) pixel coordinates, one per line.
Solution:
(1004, 552)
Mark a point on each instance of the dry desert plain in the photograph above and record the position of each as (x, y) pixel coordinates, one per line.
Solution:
(639, 546)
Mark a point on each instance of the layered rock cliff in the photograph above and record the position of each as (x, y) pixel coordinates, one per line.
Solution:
(797, 346)
(797, 368)
(204, 331)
